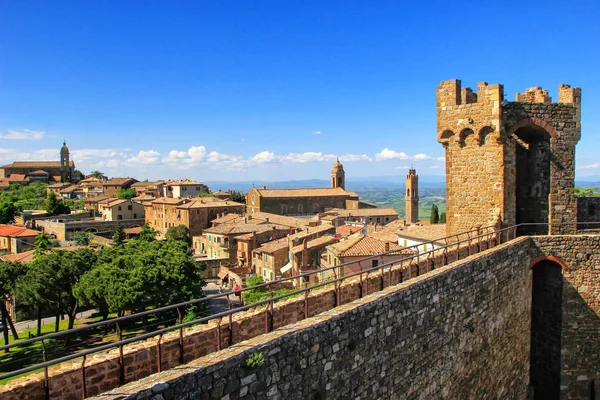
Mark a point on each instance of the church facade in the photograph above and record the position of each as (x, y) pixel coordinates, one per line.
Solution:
(305, 201)
(41, 171)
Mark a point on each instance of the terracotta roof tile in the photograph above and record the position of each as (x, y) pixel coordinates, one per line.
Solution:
(347, 230)
(16, 231)
(363, 246)
(36, 164)
(315, 243)
(225, 229)
(311, 192)
(118, 181)
(363, 212)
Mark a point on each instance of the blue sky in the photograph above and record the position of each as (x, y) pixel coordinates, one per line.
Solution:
(273, 90)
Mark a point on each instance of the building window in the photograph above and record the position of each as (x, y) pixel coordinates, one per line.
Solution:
(134, 216)
(119, 208)
(129, 207)
(119, 217)
(374, 263)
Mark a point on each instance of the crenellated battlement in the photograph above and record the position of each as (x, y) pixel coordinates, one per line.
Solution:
(534, 95)
(451, 93)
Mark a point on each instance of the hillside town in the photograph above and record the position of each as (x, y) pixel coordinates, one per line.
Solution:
(271, 233)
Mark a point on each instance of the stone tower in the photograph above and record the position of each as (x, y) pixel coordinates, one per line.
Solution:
(412, 196)
(65, 167)
(338, 176)
(509, 162)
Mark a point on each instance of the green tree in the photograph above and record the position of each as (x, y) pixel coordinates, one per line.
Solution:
(126, 194)
(435, 216)
(54, 206)
(119, 235)
(9, 274)
(587, 192)
(179, 232)
(141, 274)
(98, 175)
(147, 234)
(42, 243)
(206, 194)
(82, 238)
(238, 197)
(8, 212)
(50, 280)
(443, 218)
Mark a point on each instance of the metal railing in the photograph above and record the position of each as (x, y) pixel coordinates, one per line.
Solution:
(471, 240)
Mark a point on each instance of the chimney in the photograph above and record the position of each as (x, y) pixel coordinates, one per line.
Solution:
(267, 219)
(264, 187)
(386, 247)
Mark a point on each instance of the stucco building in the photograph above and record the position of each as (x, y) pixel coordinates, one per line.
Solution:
(41, 171)
(195, 213)
(113, 209)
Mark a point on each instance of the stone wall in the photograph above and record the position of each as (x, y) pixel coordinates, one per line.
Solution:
(458, 332)
(455, 331)
(588, 210)
(579, 257)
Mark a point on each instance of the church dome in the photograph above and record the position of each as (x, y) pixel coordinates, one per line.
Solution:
(64, 148)
(337, 167)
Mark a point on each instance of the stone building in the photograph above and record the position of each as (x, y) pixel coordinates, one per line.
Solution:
(508, 162)
(112, 186)
(412, 196)
(305, 201)
(183, 188)
(41, 171)
(195, 213)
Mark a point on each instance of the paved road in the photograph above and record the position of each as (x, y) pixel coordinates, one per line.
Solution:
(32, 323)
(217, 305)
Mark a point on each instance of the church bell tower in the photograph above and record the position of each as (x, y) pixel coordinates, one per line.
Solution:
(412, 196)
(338, 176)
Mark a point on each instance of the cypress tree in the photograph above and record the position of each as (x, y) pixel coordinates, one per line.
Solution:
(435, 216)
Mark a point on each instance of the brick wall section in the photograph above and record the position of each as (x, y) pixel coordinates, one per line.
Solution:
(459, 332)
(487, 293)
(141, 359)
(481, 164)
(580, 341)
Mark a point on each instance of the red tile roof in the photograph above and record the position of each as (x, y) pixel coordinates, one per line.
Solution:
(16, 231)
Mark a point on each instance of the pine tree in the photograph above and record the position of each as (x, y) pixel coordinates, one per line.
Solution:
(119, 236)
(443, 218)
(435, 216)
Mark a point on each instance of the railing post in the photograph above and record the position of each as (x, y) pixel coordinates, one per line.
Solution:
(306, 290)
(46, 383)
(230, 340)
(181, 349)
(83, 385)
(121, 358)
(219, 335)
(159, 353)
(269, 311)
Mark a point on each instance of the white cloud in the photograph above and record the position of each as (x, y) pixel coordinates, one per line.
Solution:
(317, 132)
(592, 166)
(421, 156)
(387, 154)
(197, 153)
(144, 157)
(264, 157)
(25, 134)
(92, 154)
(309, 156)
(355, 157)
(435, 167)
(109, 163)
(403, 167)
(441, 159)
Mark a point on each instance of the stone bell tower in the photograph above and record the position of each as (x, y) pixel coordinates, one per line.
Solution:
(412, 196)
(338, 176)
(508, 162)
(65, 165)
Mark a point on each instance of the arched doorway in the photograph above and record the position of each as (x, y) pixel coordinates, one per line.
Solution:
(546, 328)
(532, 158)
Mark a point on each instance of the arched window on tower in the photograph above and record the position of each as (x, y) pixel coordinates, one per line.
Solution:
(408, 192)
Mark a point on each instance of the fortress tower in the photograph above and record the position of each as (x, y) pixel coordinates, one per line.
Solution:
(508, 162)
(338, 176)
(412, 196)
